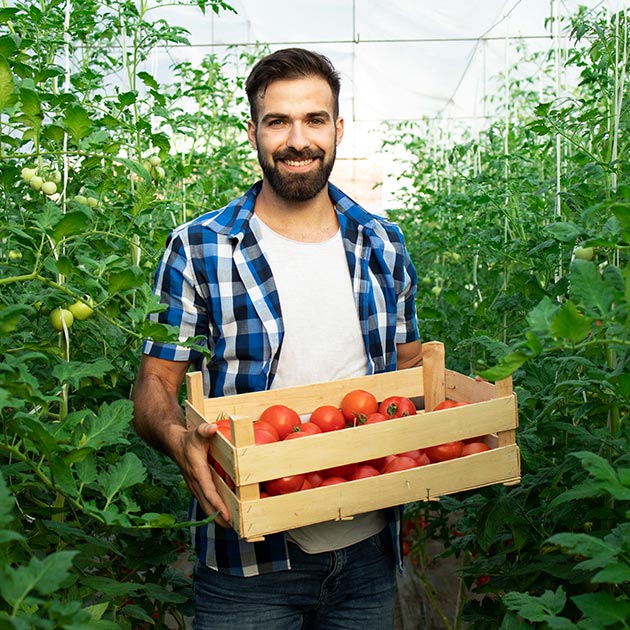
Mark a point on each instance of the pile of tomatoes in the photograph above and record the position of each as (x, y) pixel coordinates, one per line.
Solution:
(358, 407)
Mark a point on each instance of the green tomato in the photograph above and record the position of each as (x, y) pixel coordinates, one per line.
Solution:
(14, 254)
(157, 172)
(49, 188)
(155, 160)
(584, 253)
(60, 316)
(80, 310)
(436, 290)
(36, 182)
(92, 202)
(28, 174)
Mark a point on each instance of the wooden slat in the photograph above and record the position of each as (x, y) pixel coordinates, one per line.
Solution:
(316, 452)
(306, 398)
(433, 363)
(465, 389)
(274, 514)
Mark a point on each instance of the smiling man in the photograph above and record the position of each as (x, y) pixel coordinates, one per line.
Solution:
(291, 284)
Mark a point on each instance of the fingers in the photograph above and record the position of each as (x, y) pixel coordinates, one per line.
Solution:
(196, 471)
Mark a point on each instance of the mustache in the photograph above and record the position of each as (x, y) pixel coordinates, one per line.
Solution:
(293, 154)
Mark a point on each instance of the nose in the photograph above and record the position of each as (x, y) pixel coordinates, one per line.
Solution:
(298, 138)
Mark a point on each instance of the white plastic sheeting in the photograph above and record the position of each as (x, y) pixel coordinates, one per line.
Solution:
(400, 59)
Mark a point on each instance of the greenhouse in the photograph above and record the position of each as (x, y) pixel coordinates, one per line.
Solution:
(489, 145)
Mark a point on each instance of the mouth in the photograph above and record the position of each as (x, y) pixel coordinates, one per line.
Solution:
(299, 163)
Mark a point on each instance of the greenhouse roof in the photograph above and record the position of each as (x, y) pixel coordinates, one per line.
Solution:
(400, 60)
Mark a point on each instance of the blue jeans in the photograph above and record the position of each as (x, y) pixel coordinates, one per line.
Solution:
(348, 589)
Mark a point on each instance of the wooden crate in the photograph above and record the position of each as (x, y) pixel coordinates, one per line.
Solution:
(492, 414)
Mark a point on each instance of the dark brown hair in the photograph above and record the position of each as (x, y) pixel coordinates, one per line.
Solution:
(287, 64)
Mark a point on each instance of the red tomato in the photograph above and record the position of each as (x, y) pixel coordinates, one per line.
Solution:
(371, 418)
(443, 452)
(223, 427)
(332, 481)
(284, 485)
(315, 478)
(386, 461)
(267, 426)
(282, 418)
(328, 418)
(309, 428)
(377, 463)
(414, 454)
(294, 435)
(423, 459)
(363, 471)
(474, 447)
(357, 402)
(449, 404)
(397, 407)
(306, 484)
(263, 436)
(344, 471)
(399, 463)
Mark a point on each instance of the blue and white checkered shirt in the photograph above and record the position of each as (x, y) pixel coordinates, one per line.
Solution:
(218, 285)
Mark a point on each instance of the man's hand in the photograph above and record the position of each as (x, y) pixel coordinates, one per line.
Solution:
(192, 455)
(158, 420)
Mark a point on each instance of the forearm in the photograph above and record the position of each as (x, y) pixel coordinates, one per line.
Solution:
(157, 414)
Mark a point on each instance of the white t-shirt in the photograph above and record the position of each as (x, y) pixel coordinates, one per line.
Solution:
(322, 342)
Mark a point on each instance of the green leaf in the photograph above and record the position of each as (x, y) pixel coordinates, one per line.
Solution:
(148, 80)
(126, 473)
(590, 289)
(72, 372)
(130, 278)
(10, 315)
(541, 316)
(6, 503)
(603, 607)
(565, 231)
(136, 168)
(109, 425)
(72, 223)
(77, 121)
(507, 366)
(7, 96)
(43, 576)
(536, 609)
(113, 588)
(569, 323)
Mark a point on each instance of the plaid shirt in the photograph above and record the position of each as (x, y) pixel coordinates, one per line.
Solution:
(217, 284)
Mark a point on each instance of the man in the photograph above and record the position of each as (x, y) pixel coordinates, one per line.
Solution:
(291, 284)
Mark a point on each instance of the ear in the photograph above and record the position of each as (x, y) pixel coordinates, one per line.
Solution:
(251, 133)
(339, 125)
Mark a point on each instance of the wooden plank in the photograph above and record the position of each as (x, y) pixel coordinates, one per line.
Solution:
(193, 416)
(433, 362)
(274, 514)
(194, 389)
(306, 398)
(316, 452)
(466, 389)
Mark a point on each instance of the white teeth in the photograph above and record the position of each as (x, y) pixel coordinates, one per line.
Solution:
(294, 163)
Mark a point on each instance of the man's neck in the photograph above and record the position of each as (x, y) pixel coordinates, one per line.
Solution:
(309, 221)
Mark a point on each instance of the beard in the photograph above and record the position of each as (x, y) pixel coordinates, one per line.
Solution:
(296, 187)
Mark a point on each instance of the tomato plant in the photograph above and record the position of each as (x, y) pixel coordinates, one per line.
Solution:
(357, 403)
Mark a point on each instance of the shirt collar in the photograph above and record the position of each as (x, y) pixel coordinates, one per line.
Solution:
(233, 219)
